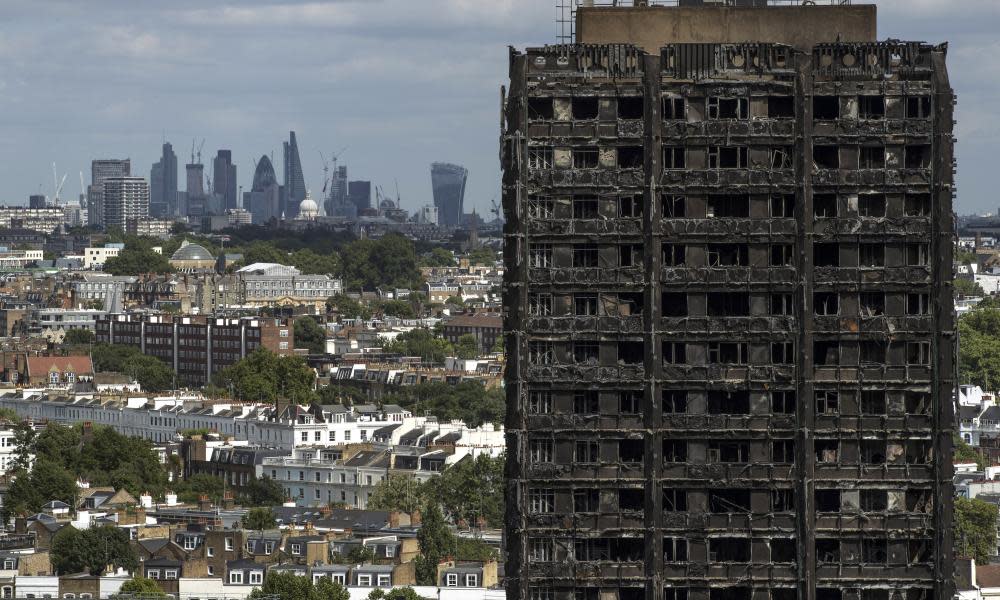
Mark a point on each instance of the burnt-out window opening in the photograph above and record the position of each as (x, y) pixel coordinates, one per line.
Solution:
(541, 451)
(629, 303)
(781, 107)
(826, 254)
(540, 402)
(728, 255)
(917, 205)
(630, 107)
(540, 305)
(540, 109)
(586, 352)
(917, 403)
(728, 157)
(584, 107)
(826, 303)
(674, 304)
(729, 549)
(871, 353)
(675, 549)
(917, 157)
(921, 551)
(827, 500)
(729, 451)
(784, 594)
(725, 501)
(631, 499)
(673, 109)
(674, 401)
(918, 452)
(728, 353)
(783, 353)
(783, 205)
(629, 255)
(783, 402)
(827, 451)
(826, 108)
(540, 353)
(723, 402)
(673, 157)
(541, 207)
(782, 157)
(674, 451)
(918, 107)
(631, 353)
(584, 255)
(871, 107)
(541, 593)
(586, 501)
(873, 452)
(541, 501)
(674, 500)
(630, 207)
(825, 205)
(586, 402)
(540, 255)
(874, 500)
(630, 401)
(585, 158)
(783, 550)
(632, 593)
(674, 353)
(829, 593)
(827, 402)
(730, 593)
(540, 550)
(828, 551)
(585, 304)
(539, 157)
(729, 205)
(587, 452)
(585, 207)
(826, 157)
(618, 549)
(918, 353)
(874, 550)
(873, 402)
(673, 255)
(871, 255)
(728, 304)
(872, 304)
(782, 305)
(673, 206)
(918, 304)
(630, 157)
(783, 452)
(868, 594)
(871, 157)
(782, 500)
(871, 205)
(782, 255)
(826, 353)
(631, 451)
(728, 108)
(917, 255)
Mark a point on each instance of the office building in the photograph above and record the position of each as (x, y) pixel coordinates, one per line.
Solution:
(224, 180)
(359, 193)
(448, 184)
(263, 201)
(338, 196)
(196, 198)
(295, 182)
(37, 201)
(124, 198)
(729, 316)
(99, 171)
(163, 184)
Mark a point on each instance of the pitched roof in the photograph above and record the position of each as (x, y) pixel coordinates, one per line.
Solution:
(40, 365)
(489, 321)
(988, 576)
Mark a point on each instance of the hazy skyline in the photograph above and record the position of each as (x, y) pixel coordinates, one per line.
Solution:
(400, 84)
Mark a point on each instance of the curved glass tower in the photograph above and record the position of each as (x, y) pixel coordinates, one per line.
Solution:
(448, 184)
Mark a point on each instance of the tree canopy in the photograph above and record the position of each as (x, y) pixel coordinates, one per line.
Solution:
(390, 261)
(309, 335)
(472, 491)
(397, 492)
(436, 542)
(422, 343)
(968, 287)
(265, 376)
(979, 347)
(348, 307)
(91, 550)
(975, 529)
(150, 372)
(467, 347)
(139, 585)
(287, 586)
(259, 518)
(78, 337)
(438, 257)
(137, 258)
(469, 401)
(262, 491)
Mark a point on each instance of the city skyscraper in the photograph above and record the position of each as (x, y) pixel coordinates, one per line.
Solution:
(224, 179)
(448, 187)
(359, 193)
(295, 182)
(125, 199)
(337, 198)
(263, 201)
(100, 170)
(196, 200)
(728, 308)
(163, 184)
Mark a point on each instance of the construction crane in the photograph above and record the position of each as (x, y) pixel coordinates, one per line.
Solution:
(326, 170)
(198, 153)
(200, 146)
(83, 188)
(58, 183)
(495, 208)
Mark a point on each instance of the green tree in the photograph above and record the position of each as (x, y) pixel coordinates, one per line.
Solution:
(347, 395)
(397, 308)
(469, 401)
(347, 307)
(263, 252)
(966, 453)
(46, 481)
(152, 373)
(438, 257)
(498, 345)
(309, 335)
(472, 490)
(262, 492)
(979, 347)
(397, 492)
(467, 346)
(436, 542)
(474, 549)
(422, 343)
(286, 586)
(400, 593)
(390, 261)
(483, 256)
(91, 550)
(139, 585)
(264, 376)
(259, 518)
(975, 529)
(136, 259)
(78, 337)
(198, 485)
(311, 263)
(968, 287)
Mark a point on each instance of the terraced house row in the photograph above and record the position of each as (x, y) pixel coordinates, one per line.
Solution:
(729, 317)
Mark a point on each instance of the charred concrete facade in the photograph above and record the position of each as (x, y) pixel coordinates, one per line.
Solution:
(729, 322)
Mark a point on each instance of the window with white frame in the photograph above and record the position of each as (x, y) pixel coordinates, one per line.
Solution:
(211, 570)
(471, 580)
(296, 548)
(451, 580)
(339, 578)
(170, 574)
(384, 580)
(256, 577)
(236, 577)
(153, 573)
(268, 547)
(390, 551)
(229, 544)
(365, 580)
(190, 543)
(210, 551)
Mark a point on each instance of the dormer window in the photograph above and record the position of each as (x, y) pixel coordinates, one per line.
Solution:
(256, 577)
(54, 377)
(236, 577)
(9, 564)
(296, 548)
(451, 580)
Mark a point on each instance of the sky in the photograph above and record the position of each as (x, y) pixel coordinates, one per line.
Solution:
(390, 85)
